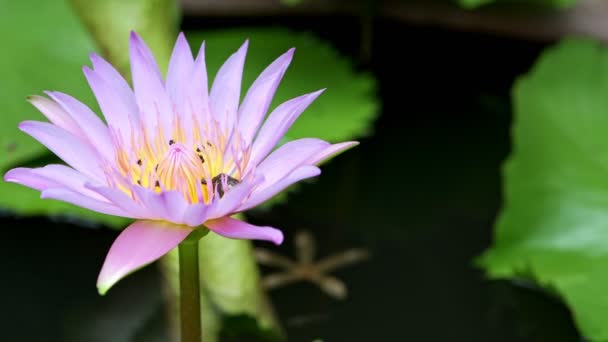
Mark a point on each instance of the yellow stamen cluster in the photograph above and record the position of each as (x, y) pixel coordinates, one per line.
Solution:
(196, 166)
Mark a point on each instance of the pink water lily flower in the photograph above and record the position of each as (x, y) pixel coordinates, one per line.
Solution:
(173, 155)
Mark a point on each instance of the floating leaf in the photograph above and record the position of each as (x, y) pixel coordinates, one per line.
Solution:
(46, 48)
(554, 225)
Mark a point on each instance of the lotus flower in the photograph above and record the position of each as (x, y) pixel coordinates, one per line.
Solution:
(172, 155)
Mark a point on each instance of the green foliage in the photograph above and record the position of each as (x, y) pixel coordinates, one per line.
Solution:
(46, 48)
(48, 53)
(111, 21)
(554, 225)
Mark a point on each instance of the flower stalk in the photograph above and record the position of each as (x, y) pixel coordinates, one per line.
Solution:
(190, 305)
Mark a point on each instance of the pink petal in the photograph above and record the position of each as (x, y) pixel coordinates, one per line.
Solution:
(140, 244)
(236, 229)
(66, 146)
(195, 215)
(331, 152)
(117, 114)
(110, 75)
(258, 197)
(168, 205)
(26, 177)
(121, 200)
(198, 92)
(118, 85)
(80, 200)
(52, 176)
(258, 98)
(226, 88)
(180, 69)
(57, 115)
(97, 132)
(289, 157)
(176, 206)
(179, 78)
(150, 93)
(277, 124)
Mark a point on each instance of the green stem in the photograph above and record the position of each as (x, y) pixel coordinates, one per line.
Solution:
(190, 305)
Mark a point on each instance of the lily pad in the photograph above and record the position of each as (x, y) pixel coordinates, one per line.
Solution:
(553, 227)
(45, 49)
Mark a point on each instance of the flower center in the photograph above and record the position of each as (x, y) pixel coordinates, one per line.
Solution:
(201, 165)
(181, 169)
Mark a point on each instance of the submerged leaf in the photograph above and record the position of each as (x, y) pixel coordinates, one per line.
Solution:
(554, 225)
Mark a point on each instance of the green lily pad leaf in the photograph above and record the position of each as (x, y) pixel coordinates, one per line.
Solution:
(554, 225)
(46, 49)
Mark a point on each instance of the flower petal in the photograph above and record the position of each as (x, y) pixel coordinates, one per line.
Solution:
(140, 244)
(277, 124)
(118, 85)
(52, 176)
(121, 200)
(258, 98)
(180, 69)
(196, 214)
(116, 113)
(80, 200)
(179, 77)
(97, 133)
(263, 195)
(236, 229)
(150, 92)
(56, 114)
(168, 205)
(112, 77)
(82, 157)
(331, 152)
(226, 89)
(198, 92)
(287, 158)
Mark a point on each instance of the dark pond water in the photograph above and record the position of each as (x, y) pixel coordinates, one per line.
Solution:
(421, 195)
